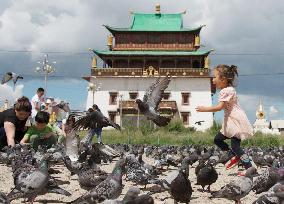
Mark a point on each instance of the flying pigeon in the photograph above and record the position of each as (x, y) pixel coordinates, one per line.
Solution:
(11, 75)
(92, 120)
(151, 100)
(199, 122)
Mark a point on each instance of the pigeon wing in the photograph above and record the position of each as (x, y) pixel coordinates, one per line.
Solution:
(15, 77)
(7, 77)
(153, 95)
(88, 121)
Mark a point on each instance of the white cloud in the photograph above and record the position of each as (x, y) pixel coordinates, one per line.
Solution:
(7, 93)
(273, 110)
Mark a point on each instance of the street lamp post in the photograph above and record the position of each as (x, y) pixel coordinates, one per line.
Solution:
(45, 69)
(120, 96)
(94, 86)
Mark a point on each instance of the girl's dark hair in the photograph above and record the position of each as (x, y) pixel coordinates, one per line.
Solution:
(228, 72)
(23, 104)
(42, 117)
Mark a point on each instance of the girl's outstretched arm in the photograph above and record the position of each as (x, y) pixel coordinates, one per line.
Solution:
(216, 108)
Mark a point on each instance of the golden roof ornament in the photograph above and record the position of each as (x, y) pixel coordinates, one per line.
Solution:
(158, 9)
(196, 41)
(260, 112)
(109, 41)
(94, 62)
(207, 62)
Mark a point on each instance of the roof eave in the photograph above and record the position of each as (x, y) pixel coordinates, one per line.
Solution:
(115, 30)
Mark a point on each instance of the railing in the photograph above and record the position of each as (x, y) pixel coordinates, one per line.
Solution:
(182, 72)
(164, 104)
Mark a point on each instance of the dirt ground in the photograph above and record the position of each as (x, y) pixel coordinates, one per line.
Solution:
(71, 184)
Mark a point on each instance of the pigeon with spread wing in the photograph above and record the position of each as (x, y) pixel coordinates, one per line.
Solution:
(11, 75)
(92, 120)
(151, 100)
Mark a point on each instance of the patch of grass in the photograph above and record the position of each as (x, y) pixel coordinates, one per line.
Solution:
(176, 134)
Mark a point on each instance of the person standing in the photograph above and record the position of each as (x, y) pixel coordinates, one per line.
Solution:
(13, 122)
(97, 130)
(37, 102)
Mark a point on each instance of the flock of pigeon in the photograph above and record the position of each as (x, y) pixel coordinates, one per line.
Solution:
(34, 174)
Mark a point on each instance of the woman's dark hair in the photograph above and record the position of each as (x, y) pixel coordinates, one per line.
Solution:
(42, 117)
(23, 104)
(228, 72)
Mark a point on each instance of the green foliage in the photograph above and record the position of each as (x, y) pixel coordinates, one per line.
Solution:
(176, 125)
(176, 134)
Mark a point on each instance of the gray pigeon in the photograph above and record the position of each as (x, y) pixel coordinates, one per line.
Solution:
(132, 197)
(235, 190)
(110, 188)
(275, 195)
(153, 96)
(11, 75)
(267, 179)
(3, 199)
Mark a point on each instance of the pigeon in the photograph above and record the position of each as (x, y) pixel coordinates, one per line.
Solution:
(267, 179)
(35, 181)
(132, 197)
(235, 190)
(206, 176)
(89, 178)
(11, 75)
(110, 188)
(177, 183)
(92, 120)
(275, 195)
(136, 172)
(199, 122)
(153, 96)
(4, 199)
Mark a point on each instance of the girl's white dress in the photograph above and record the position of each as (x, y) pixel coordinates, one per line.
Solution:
(236, 123)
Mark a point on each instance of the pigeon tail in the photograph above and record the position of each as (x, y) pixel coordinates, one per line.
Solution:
(162, 121)
(216, 194)
(59, 190)
(116, 126)
(15, 194)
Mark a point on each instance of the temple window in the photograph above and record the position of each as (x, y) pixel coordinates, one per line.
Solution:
(113, 98)
(166, 95)
(196, 64)
(185, 98)
(185, 118)
(133, 95)
(112, 115)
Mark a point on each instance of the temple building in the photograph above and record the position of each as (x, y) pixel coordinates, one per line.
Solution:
(155, 45)
(261, 124)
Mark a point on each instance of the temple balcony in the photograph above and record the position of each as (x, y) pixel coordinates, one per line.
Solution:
(164, 105)
(139, 72)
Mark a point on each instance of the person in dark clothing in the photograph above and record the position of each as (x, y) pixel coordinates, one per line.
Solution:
(97, 130)
(13, 121)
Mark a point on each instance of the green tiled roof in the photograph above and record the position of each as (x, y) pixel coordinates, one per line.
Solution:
(152, 53)
(155, 22)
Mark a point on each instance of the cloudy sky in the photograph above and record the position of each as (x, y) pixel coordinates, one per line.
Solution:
(248, 34)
